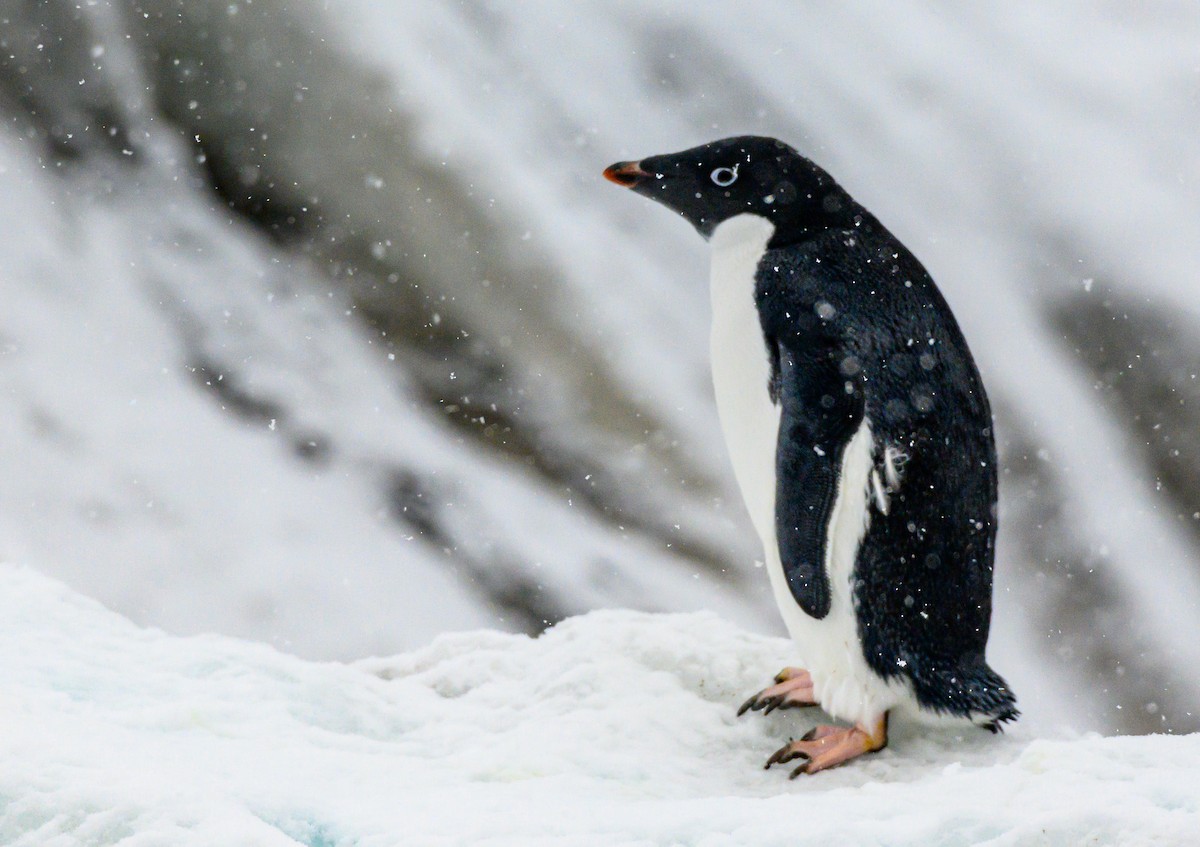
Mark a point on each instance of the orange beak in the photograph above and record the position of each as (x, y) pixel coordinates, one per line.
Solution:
(626, 174)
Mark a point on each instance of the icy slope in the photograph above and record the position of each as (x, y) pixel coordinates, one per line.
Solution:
(612, 728)
(200, 429)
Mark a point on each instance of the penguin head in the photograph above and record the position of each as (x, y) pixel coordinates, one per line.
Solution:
(747, 174)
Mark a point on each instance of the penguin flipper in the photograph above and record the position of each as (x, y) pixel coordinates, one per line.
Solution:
(820, 411)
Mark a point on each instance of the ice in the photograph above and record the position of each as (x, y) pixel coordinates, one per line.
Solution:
(614, 728)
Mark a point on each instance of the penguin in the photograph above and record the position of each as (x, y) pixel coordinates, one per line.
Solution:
(861, 439)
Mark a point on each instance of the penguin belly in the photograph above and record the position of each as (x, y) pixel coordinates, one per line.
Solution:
(830, 648)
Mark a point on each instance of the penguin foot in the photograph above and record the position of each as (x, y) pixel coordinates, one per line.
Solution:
(829, 746)
(793, 688)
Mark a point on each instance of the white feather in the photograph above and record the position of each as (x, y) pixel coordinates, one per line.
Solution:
(740, 367)
(881, 497)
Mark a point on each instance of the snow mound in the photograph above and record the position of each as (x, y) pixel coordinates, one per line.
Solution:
(611, 728)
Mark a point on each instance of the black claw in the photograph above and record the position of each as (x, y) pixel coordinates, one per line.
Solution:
(795, 704)
(802, 769)
(785, 754)
(810, 735)
(757, 703)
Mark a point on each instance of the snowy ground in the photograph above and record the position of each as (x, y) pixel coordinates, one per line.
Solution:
(612, 728)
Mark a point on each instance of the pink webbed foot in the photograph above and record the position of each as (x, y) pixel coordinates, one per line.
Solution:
(829, 746)
(793, 688)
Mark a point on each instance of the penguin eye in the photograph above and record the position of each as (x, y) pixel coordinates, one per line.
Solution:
(724, 176)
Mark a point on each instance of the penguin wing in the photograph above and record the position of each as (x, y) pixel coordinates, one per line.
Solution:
(820, 410)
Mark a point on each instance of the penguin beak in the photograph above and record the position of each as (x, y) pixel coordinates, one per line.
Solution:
(626, 174)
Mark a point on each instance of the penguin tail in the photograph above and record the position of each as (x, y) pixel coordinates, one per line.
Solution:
(994, 702)
(977, 693)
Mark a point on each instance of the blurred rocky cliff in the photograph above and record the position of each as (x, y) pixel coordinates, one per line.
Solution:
(320, 328)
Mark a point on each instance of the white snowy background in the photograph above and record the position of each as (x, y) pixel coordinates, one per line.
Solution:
(318, 327)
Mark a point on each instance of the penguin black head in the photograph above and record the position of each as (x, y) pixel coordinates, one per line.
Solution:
(747, 174)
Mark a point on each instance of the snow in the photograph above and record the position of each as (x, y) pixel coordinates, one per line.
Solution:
(133, 482)
(612, 728)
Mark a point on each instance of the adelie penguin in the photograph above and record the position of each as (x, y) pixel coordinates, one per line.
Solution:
(861, 438)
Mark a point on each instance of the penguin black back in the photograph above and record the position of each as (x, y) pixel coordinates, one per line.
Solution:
(923, 579)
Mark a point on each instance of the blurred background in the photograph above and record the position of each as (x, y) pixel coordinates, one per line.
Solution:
(318, 325)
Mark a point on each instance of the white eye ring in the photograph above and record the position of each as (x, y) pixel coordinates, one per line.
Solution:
(724, 176)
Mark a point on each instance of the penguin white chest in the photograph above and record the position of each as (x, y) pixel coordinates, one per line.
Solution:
(741, 368)
(829, 647)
